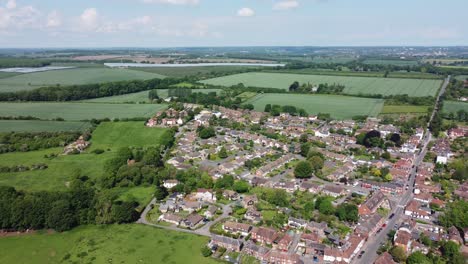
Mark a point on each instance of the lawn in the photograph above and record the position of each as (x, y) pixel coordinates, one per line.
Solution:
(141, 96)
(71, 76)
(40, 126)
(353, 85)
(454, 106)
(124, 134)
(339, 107)
(79, 111)
(140, 194)
(130, 243)
(392, 109)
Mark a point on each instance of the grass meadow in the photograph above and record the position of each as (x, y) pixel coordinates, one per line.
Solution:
(79, 111)
(190, 71)
(391, 62)
(393, 109)
(105, 244)
(339, 107)
(42, 126)
(74, 76)
(109, 136)
(353, 85)
(454, 106)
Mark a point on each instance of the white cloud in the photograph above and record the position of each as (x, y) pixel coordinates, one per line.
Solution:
(11, 4)
(19, 17)
(53, 19)
(285, 5)
(89, 19)
(245, 12)
(173, 2)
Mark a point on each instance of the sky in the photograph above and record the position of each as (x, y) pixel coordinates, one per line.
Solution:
(191, 23)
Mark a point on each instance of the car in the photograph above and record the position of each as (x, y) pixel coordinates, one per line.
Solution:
(391, 216)
(384, 225)
(378, 231)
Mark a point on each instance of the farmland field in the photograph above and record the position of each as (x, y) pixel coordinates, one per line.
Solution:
(354, 85)
(392, 109)
(391, 62)
(190, 71)
(339, 107)
(141, 96)
(70, 77)
(79, 111)
(461, 77)
(454, 106)
(130, 243)
(39, 126)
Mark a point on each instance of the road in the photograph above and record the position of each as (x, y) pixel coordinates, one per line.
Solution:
(203, 231)
(374, 242)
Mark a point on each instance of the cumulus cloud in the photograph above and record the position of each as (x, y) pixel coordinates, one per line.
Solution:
(19, 17)
(245, 12)
(11, 4)
(285, 5)
(89, 19)
(173, 2)
(53, 19)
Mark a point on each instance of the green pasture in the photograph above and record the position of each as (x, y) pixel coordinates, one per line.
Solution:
(40, 126)
(454, 106)
(392, 109)
(353, 85)
(194, 71)
(105, 244)
(339, 107)
(79, 111)
(74, 76)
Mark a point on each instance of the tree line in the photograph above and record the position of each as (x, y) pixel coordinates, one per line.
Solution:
(29, 141)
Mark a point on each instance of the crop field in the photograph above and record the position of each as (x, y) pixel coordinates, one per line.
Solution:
(123, 134)
(353, 85)
(393, 109)
(40, 126)
(391, 62)
(141, 96)
(79, 111)
(71, 77)
(461, 77)
(454, 106)
(105, 244)
(190, 71)
(339, 107)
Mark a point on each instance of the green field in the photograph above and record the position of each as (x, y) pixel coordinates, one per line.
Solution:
(79, 111)
(7, 74)
(141, 96)
(339, 107)
(454, 106)
(123, 134)
(39, 126)
(354, 85)
(190, 71)
(108, 135)
(461, 77)
(392, 109)
(105, 244)
(77, 76)
(391, 62)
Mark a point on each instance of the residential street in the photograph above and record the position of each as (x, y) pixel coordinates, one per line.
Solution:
(374, 243)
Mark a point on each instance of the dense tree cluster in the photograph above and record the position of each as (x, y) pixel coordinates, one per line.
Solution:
(276, 110)
(29, 141)
(206, 132)
(10, 62)
(370, 139)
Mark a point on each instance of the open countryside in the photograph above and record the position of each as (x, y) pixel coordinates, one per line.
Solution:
(79, 111)
(353, 85)
(454, 106)
(39, 126)
(105, 244)
(74, 76)
(340, 107)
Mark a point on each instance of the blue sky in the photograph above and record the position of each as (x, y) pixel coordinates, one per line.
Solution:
(164, 23)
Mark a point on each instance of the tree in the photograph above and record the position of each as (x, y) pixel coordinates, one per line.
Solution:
(153, 94)
(205, 251)
(267, 108)
(124, 212)
(225, 182)
(316, 162)
(160, 193)
(223, 153)
(326, 207)
(450, 249)
(152, 157)
(304, 138)
(418, 258)
(61, 216)
(294, 86)
(241, 186)
(303, 170)
(347, 212)
(206, 132)
(305, 147)
(398, 254)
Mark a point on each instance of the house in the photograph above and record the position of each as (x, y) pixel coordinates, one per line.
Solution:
(297, 223)
(255, 251)
(192, 220)
(264, 235)
(253, 215)
(462, 191)
(237, 228)
(454, 133)
(317, 228)
(226, 242)
(205, 195)
(170, 218)
(190, 206)
(284, 243)
(210, 211)
(415, 210)
(76, 147)
(385, 258)
(169, 184)
(230, 195)
(369, 224)
(454, 235)
(310, 187)
(282, 258)
(249, 201)
(402, 239)
(371, 205)
(333, 190)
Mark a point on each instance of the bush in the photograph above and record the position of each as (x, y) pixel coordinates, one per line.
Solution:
(98, 151)
(206, 252)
